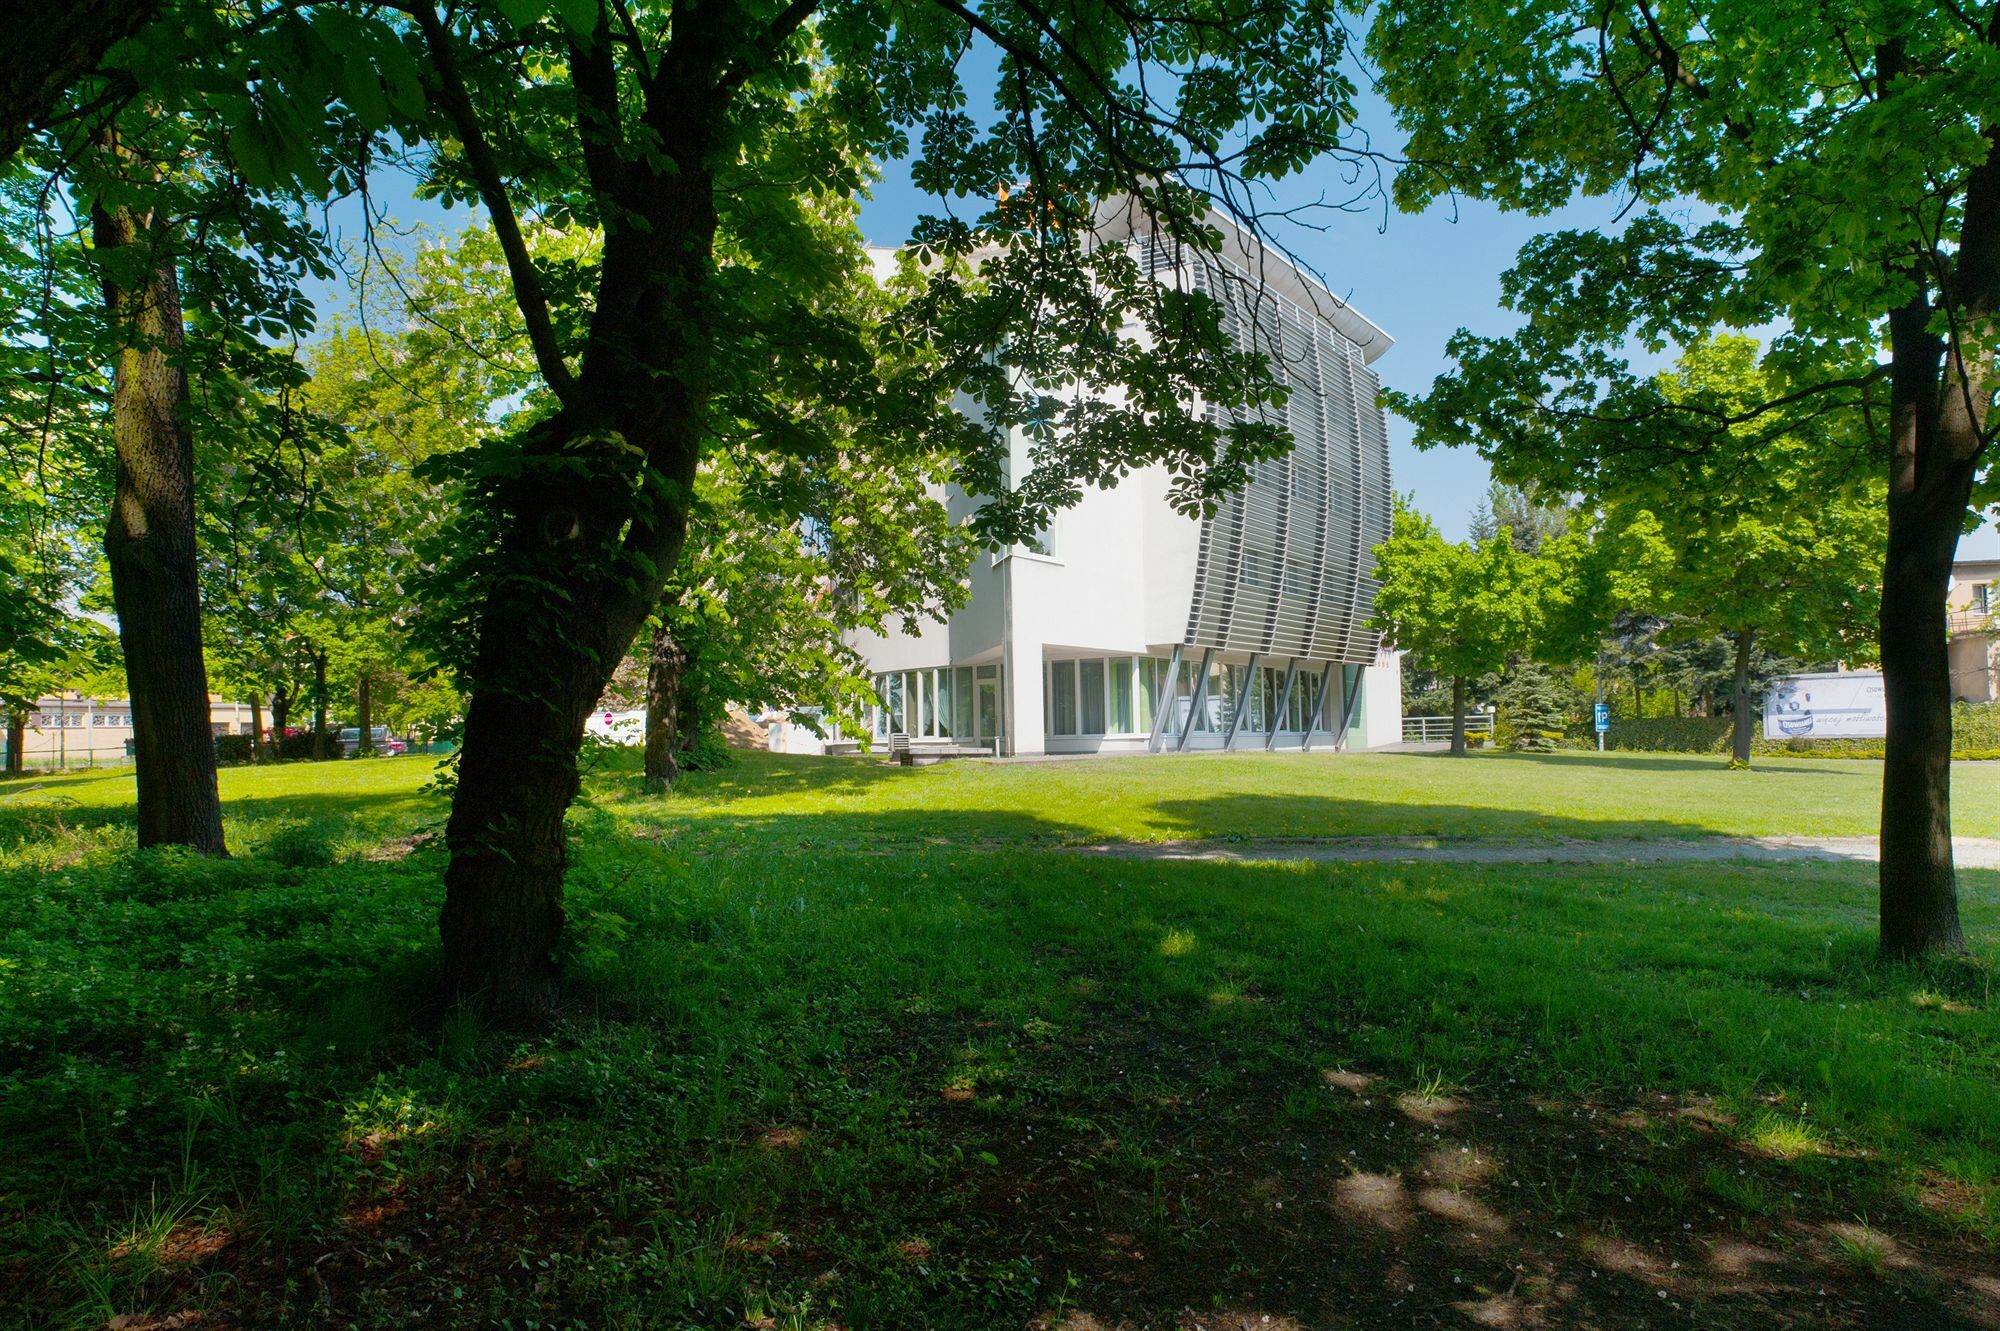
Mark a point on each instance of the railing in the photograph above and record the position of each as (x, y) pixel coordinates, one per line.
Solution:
(1961, 622)
(1424, 729)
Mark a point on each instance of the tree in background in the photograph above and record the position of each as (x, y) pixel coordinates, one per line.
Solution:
(327, 532)
(1463, 608)
(1521, 511)
(784, 559)
(54, 456)
(1759, 539)
(1536, 707)
(1849, 194)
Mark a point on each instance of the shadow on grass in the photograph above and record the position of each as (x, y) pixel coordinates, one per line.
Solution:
(1332, 1197)
(52, 808)
(1281, 816)
(982, 1089)
(1863, 768)
(1219, 818)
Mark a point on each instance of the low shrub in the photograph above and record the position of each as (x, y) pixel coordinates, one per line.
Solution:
(1658, 734)
(298, 845)
(710, 753)
(233, 750)
(1975, 734)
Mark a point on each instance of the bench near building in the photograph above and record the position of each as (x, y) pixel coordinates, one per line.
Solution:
(1134, 628)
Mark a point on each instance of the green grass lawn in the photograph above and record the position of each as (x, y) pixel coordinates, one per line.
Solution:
(1526, 796)
(848, 1045)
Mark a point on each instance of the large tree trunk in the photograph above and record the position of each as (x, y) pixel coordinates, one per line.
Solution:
(1740, 728)
(366, 702)
(281, 713)
(1937, 414)
(543, 662)
(257, 754)
(665, 671)
(1458, 716)
(50, 47)
(150, 544)
(1918, 880)
(17, 735)
(583, 519)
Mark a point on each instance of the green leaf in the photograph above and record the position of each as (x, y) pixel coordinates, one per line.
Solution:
(580, 16)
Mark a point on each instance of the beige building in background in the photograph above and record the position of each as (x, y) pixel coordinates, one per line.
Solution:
(1971, 607)
(75, 731)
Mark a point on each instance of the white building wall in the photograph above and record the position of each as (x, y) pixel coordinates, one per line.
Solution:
(1118, 579)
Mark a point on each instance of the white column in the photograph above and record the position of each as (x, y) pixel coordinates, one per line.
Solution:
(1380, 706)
(1024, 686)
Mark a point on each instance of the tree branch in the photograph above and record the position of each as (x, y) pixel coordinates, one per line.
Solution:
(1668, 58)
(594, 80)
(451, 93)
(765, 49)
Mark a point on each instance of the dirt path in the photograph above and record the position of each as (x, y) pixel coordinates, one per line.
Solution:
(1970, 852)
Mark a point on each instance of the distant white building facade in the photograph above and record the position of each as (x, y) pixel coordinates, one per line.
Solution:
(1134, 628)
(1972, 618)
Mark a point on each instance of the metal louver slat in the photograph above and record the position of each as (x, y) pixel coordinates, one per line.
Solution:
(1286, 564)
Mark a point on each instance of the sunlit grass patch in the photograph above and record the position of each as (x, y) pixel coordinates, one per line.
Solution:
(1785, 1136)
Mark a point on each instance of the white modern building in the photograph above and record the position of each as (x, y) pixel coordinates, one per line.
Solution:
(1135, 628)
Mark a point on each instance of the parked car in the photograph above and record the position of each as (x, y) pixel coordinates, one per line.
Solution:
(386, 744)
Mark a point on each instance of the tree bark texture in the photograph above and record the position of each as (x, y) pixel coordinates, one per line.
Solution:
(51, 46)
(543, 663)
(1458, 716)
(281, 712)
(1740, 720)
(665, 668)
(257, 754)
(150, 545)
(366, 705)
(17, 735)
(586, 554)
(1917, 878)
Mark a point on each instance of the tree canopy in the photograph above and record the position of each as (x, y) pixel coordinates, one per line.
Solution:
(1464, 607)
(1827, 173)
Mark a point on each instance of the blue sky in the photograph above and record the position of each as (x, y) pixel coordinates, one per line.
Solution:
(1421, 277)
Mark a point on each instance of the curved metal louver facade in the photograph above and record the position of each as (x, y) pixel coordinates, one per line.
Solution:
(1287, 563)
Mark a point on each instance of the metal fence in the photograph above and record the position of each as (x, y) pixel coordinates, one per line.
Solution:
(68, 757)
(1424, 729)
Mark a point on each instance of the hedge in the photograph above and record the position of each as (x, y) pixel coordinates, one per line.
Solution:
(1975, 733)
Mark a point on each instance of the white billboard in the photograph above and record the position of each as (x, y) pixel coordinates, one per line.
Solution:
(1844, 705)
